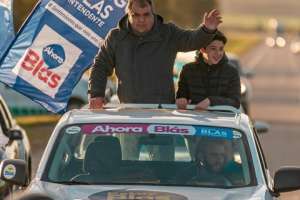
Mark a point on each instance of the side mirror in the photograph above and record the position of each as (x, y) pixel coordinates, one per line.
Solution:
(15, 134)
(261, 127)
(14, 171)
(287, 179)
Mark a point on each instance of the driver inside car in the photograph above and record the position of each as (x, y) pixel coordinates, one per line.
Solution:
(211, 160)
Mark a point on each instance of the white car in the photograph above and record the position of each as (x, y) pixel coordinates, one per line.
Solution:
(154, 152)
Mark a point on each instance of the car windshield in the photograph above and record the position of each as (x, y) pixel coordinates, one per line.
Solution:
(150, 154)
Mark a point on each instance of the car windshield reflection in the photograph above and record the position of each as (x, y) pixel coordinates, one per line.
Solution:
(126, 154)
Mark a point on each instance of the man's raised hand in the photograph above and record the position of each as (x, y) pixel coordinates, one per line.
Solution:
(212, 19)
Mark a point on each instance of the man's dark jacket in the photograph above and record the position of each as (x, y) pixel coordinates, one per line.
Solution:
(143, 64)
(220, 83)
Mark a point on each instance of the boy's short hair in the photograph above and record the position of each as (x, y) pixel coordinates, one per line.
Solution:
(220, 37)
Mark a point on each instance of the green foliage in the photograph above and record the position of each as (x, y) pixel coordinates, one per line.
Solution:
(188, 13)
(21, 9)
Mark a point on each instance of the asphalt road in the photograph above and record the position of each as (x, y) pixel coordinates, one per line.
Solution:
(276, 100)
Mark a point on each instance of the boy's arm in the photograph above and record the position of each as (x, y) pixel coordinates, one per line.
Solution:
(183, 89)
(233, 96)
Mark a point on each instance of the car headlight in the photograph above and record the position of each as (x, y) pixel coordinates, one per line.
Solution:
(243, 88)
(270, 41)
(295, 47)
(280, 41)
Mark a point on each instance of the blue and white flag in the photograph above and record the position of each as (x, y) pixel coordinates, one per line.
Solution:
(57, 43)
(7, 33)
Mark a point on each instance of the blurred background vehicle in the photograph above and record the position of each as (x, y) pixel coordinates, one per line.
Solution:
(245, 74)
(14, 144)
(295, 44)
(276, 41)
(277, 31)
(295, 47)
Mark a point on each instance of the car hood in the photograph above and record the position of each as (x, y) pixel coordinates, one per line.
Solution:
(105, 192)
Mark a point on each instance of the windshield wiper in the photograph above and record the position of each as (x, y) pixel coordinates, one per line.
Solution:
(71, 182)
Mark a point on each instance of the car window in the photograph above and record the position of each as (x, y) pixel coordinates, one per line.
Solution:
(151, 154)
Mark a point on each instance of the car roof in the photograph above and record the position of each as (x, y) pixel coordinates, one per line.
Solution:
(219, 116)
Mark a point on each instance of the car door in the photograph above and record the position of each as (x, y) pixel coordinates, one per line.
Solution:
(11, 146)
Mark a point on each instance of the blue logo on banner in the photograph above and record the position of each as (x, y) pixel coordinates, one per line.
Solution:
(215, 132)
(54, 55)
